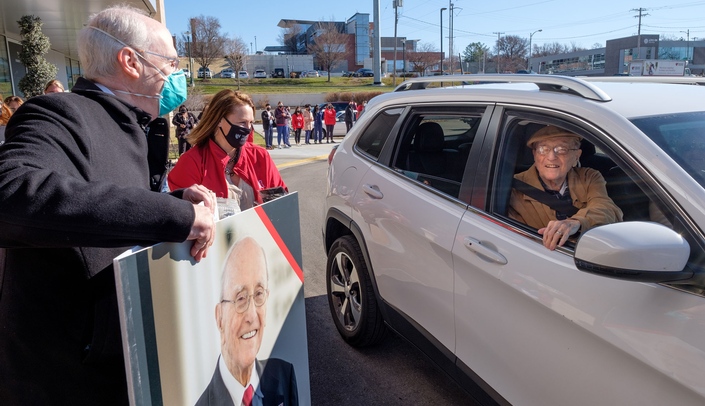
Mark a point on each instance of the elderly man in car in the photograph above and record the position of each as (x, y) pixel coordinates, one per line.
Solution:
(555, 195)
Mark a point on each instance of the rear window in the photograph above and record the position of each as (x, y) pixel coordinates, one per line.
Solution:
(376, 134)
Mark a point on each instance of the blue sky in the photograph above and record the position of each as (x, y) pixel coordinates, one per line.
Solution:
(583, 23)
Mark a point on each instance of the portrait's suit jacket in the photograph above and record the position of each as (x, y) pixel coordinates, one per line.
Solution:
(277, 382)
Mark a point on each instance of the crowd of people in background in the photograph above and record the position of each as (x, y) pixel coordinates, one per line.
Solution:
(312, 121)
(10, 104)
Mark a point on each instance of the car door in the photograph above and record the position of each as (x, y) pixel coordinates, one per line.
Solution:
(409, 217)
(540, 332)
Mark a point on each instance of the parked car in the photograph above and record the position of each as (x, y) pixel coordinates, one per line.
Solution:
(278, 73)
(363, 72)
(243, 74)
(419, 238)
(260, 74)
(339, 130)
(310, 74)
(227, 73)
(187, 73)
(205, 73)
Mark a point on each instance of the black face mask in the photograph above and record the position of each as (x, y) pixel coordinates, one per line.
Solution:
(237, 136)
(182, 111)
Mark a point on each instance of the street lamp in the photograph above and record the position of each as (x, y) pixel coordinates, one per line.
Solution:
(444, 8)
(527, 61)
(188, 46)
(403, 56)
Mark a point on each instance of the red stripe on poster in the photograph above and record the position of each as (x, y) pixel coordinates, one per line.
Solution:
(280, 243)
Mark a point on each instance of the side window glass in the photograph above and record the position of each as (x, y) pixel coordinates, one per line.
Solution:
(548, 170)
(376, 134)
(434, 149)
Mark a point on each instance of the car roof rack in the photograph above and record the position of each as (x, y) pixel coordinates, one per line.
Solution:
(552, 83)
(684, 80)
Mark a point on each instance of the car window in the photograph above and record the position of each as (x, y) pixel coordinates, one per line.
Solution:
(630, 187)
(377, 132)
(682, 136)
(434, 148)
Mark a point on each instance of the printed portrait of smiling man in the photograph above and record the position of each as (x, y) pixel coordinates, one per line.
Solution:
(241, 316)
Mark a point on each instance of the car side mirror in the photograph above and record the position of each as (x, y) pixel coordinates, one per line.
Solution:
(634, 251)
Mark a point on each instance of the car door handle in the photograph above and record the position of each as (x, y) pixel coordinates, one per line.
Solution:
(477, 247)
(372, 191)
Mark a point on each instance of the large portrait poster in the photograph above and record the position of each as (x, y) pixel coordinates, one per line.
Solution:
(183, 323)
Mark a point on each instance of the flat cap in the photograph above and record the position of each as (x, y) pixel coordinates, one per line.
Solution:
(550, 131)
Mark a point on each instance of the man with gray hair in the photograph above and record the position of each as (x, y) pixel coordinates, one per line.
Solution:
(74, 194)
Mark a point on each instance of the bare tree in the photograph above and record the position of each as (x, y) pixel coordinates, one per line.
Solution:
(208, 43)
(425, 56)
(235, 50)
(512, 51)
(329, 46)
(574, 47)
(289, 36)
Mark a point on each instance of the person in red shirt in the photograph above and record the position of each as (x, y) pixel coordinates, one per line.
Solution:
(221, 159)
(360, 107)
(329, 121)
(297, 122)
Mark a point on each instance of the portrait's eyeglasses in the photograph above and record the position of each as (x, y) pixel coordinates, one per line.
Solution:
(559, 150)
(242, 300)
(173, 62)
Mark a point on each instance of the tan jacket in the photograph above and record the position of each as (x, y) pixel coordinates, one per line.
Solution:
(308, 121)
(587, 189)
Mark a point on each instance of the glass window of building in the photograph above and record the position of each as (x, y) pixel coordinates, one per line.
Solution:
(5, 80)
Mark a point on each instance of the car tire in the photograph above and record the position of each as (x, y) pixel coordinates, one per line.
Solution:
(351, 297)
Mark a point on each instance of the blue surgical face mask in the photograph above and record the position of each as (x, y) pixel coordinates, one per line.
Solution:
(173, 94)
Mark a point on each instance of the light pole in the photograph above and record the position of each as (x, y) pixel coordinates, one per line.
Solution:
(444, 8)
(403, 57)
(528, 67)
(255, 44)
(188, 46)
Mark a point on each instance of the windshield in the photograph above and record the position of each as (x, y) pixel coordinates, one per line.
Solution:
(682, 136)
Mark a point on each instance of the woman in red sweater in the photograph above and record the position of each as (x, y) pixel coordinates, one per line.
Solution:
(297, 122)
(221, 159)
(329, 121)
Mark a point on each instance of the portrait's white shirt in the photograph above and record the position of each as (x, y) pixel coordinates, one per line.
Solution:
(236, 389)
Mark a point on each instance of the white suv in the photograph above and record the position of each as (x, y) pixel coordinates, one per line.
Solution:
(425, 246)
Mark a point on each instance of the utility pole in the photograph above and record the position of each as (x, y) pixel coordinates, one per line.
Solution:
(638, 35)
(687, 44)
(442, 39)
(498, 51)
(376, 45)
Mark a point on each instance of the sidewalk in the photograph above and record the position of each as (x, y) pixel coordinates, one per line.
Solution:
(297, 154)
